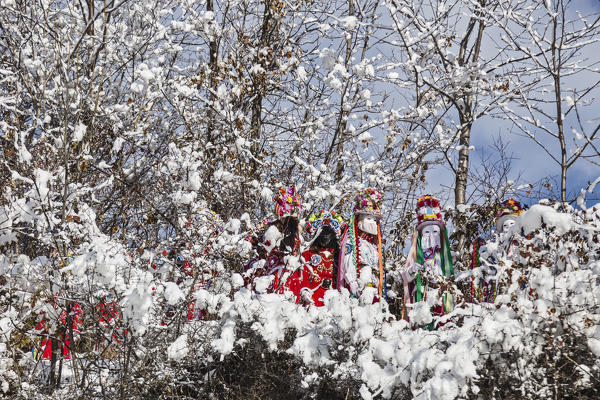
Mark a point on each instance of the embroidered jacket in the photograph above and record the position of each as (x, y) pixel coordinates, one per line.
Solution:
(310, 282)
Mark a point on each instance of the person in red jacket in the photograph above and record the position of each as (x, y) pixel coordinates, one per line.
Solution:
(320, 262)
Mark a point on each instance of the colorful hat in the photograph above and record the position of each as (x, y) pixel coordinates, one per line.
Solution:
(369, 203)
(509, 209)
(428, 212)
(324, 217)
(287, 202)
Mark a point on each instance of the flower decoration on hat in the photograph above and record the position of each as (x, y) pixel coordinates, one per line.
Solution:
(509, 209)
(428, 211)
(324, 217)
(369, 203)
(287, 202)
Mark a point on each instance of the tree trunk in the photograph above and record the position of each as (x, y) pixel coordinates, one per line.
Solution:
(258, 91)
(462, 169)
(466, 116)
(556, 69)
(72, 341)
(255, 127)
(90, 16)
(212, 78)
(210, 124)
(342, 120)
(563, 153)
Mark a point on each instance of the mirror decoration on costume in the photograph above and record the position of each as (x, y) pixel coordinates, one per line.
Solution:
(318, 272)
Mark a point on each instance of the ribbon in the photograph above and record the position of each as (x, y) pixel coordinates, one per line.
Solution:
(420, 259)
(341, 267)
(475, 263)
(447, 267)
(380, 288)
(419, 293)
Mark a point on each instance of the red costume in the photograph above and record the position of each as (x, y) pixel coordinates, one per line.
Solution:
(46, 344)
(280, 239)
(310, 282)
(273, 264)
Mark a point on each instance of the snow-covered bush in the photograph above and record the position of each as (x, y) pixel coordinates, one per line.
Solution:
(141, 140)
(540, 335)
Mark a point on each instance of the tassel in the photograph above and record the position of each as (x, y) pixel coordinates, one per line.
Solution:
(419, 293)
(420, 259)
(474, 265)
(447, 267)
(356, 248)
(342, 255)
(411, 257)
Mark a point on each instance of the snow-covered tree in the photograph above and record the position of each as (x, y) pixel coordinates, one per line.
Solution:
(557, 81)
(141, 142)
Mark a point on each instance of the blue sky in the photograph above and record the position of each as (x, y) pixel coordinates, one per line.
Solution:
(530, 160)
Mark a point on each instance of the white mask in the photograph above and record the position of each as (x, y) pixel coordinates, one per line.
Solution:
(507, 224)
(430, 237)
(367, 224)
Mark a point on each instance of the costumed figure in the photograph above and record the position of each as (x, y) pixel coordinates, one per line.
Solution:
(57, 316)
(361, 256)
(484, 282)
(320, 263)
(429, 263)
(280, 239)
(506, 217)
(62, 340)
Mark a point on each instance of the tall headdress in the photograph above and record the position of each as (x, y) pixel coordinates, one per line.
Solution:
(287, 202)
(428, 212)
(369, 203)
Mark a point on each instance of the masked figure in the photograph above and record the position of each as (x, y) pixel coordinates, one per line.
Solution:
(320, 263)
(506, 217)
(429, 263)
(484, 282)
(281, 238)
(361, 257)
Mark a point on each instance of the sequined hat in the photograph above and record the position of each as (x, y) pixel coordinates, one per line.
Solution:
(324, 217)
